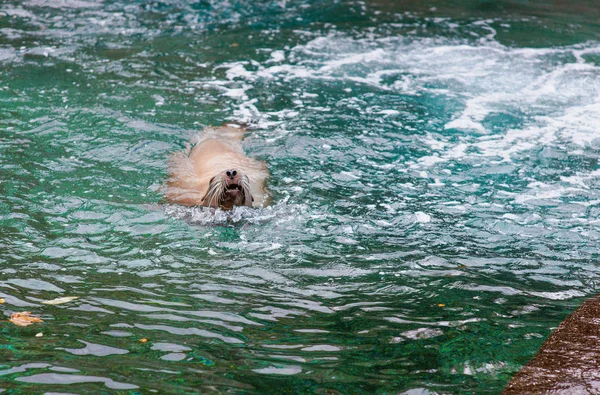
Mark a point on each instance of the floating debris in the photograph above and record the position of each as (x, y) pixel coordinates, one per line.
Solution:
(24, 318)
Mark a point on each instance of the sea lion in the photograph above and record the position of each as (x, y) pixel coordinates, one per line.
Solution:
(215, 172)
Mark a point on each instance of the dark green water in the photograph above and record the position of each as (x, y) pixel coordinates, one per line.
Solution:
(435, 177)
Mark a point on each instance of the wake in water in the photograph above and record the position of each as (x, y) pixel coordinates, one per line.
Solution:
(482, 104)
(436, 193)
(280, 212)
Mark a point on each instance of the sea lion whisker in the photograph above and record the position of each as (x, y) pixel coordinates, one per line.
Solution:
(215, 191)
(245, 184)
(211, 186)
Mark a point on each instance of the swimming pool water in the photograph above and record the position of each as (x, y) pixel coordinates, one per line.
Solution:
(435, 179)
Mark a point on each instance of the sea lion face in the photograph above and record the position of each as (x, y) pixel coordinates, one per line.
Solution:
(227, 189)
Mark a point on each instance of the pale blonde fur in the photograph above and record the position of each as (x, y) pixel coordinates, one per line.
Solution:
(214, 151)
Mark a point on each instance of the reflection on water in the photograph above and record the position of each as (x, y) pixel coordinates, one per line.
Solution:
(435, 173)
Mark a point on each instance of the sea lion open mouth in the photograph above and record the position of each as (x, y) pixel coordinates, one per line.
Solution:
(232, 187)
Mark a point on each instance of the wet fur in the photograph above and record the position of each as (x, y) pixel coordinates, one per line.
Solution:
(197, 174)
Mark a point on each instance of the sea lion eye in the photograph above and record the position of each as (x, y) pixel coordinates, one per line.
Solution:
(234, 173)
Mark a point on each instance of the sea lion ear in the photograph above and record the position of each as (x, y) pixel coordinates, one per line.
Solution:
(206, 193)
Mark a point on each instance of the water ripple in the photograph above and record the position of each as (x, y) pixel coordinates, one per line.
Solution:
(434, 180)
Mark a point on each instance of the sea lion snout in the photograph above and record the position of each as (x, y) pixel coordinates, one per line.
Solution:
(227, 189)
(232, 178)
(231, 173)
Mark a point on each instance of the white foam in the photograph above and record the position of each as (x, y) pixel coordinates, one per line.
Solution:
(389, 112)
(280, 213)
(551, 96)
(559, 295)
(422, 333)
(65, 3)
(276, 57)
(421, 217)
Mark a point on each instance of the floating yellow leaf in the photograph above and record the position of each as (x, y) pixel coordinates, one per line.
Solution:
(143, 340)
(65, 299)
(39, 334)
(441, 305)
(24, 318)
(1, 301)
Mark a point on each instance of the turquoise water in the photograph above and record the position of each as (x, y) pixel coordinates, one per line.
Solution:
(435, 179)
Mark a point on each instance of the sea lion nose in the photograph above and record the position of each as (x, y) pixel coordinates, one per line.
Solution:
(231, 173)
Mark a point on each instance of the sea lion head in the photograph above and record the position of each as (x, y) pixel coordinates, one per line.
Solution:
(227, 189)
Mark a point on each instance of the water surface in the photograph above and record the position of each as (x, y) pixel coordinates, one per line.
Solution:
(435, 178)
